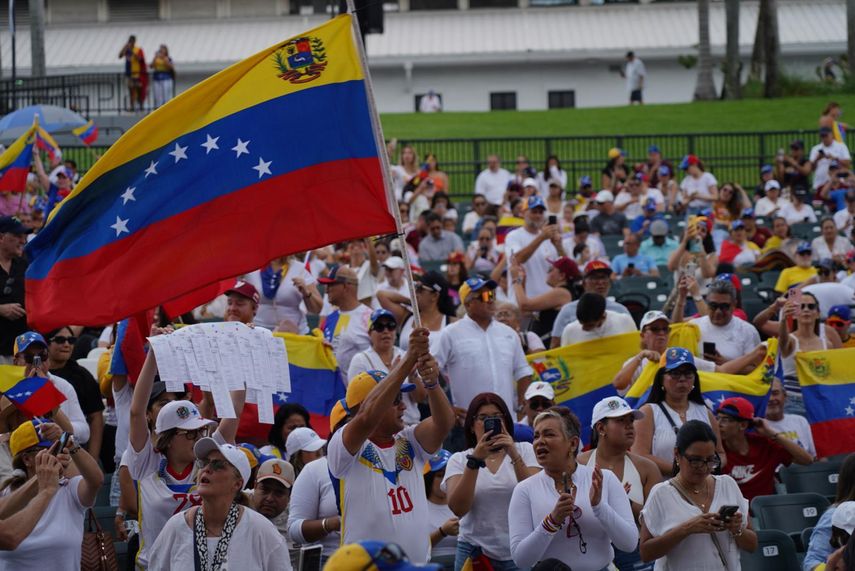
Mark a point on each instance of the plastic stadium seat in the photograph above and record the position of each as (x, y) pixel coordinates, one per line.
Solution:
(613, 245)
(775, 552)
(753, 306)
(806, 533)
(637, 284)
(96, 353)
(789, 513)
(805, 230)
(433, 265)
(819, 478)
(106, 516)
(637, 303)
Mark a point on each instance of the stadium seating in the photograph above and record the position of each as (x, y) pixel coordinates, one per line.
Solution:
(775, 552)
(820, 478)
(613, 245)
(789, 513)
(806, 533)
(106, 516)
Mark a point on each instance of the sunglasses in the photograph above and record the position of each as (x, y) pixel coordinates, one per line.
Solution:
(30, 358)
(386, 326)
(718, 306)
(390, 554)
(539, 404)
(60, 339)
(658, 330)
(193, 434)
(682, 374)
(809, 306)
(216, 465)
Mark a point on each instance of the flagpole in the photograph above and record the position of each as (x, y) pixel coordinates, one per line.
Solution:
(380, 141)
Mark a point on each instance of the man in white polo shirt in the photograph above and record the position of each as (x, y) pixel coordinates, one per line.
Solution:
(480, 354)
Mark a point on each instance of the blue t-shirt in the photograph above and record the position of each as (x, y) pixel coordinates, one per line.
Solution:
(644, 264)
(839, 198)
(637, 223)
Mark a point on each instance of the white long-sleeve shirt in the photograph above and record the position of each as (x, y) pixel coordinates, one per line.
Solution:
(312, 497)
(71, 409)
(609, 522)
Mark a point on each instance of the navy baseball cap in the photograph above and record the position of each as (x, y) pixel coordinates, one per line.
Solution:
(586, 181)
(766, 169)
(653, 149)
(535, 201)
(840, 312)
(379, 314)
(11, 225)
(804, 248)
(748, 213)
(675, 357)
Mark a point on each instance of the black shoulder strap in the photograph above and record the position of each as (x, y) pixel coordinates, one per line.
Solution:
(668, 416)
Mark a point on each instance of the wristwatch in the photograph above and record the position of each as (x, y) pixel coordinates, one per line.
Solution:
(474, 463)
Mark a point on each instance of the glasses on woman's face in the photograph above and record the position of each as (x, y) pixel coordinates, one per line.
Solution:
(193, 434)
(659, 330)
(60, 339)
(539, 403)
(808, 307)
(711, 463)
(682, 374)
(381, 327)
(216, 465)
(390, 554)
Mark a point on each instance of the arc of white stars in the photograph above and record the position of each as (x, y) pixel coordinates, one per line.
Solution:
(210, 144)
(179, 152)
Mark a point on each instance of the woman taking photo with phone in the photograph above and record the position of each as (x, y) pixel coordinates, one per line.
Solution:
(569, 512)
(480, 480)
(696, 520)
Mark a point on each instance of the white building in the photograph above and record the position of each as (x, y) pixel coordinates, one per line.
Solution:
(519, 57)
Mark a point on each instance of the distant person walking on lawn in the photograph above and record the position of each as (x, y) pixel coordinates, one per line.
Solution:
(634, 72)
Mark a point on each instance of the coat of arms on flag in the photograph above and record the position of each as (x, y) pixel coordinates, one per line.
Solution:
(301, 60)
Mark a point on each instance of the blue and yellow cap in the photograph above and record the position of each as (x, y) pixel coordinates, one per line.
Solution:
(24, 340)
(372, 556)
(26, 436)
(675, 357)
(473, 285)
(438, 461)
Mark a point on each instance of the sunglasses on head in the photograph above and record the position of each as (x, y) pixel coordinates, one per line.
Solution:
(60, 339)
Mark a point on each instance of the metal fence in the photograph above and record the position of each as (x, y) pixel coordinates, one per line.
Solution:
(731, 157)
(87, 93)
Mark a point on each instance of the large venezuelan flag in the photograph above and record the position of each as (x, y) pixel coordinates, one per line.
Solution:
(15, 163)
(828, 387)
(316, 384)
(274, 155)
(715, 387)
(582, 374)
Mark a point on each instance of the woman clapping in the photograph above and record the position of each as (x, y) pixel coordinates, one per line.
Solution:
(569, 511)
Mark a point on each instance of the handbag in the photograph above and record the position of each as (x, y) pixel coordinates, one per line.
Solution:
(98, 552)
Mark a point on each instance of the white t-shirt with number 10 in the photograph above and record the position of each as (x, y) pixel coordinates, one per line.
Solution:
(382, 492)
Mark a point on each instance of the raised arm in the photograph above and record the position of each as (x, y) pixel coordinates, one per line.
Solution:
(93, 477)
(138, 433)
(431, 432)
(394, 302)
(15, 530)
(380, 399)
(44, 181)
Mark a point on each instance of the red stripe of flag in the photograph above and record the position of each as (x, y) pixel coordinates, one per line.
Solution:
(834, 436)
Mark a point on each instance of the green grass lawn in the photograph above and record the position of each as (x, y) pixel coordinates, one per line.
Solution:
(709, 117)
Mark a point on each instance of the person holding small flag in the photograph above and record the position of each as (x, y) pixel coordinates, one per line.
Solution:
(56, 192)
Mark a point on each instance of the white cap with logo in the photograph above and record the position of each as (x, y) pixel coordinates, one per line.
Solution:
(276, 469)
(652, 316)
(303, 438)
(233, 455)
(613, 407)
(540, 389)
(181, 414)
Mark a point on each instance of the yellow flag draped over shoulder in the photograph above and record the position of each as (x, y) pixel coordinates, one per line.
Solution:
(716, 387)
(582, 373)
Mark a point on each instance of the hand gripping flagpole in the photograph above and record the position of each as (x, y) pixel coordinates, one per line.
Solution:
(380, 141)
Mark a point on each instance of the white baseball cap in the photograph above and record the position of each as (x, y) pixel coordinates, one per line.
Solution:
(772, 184)
(605, 196)
(233, 455)
(613, 407)
(652, 316)
(529, 182)
(394, 263)
(844, 517)
(181, 414)
(303, 438)
(540, 389)
(276, 469)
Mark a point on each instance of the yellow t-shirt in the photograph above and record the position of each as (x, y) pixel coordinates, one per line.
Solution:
(792, 276)
(773, 243)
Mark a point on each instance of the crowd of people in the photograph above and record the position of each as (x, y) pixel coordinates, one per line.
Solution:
(443, 447)
(162, 80)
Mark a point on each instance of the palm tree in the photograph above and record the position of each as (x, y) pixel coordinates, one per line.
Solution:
(771, 48)
(732, 65)
(705, 86)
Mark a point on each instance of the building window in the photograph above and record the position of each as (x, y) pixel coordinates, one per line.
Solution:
(493, 3)
(562, 99)
(503, 101)
(132, 10)
(433, 4)
(553, 2)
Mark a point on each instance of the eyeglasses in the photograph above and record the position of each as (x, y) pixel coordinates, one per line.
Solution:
(658, 330)
(539, 404)
(574, 529)
(60, 339)
(807, 253)
(8, 289)
(809, 306)
(390, 554)
(193, 434)
(29, 359)
(698, 462)
(381, 327)
(216, 465)
(714, 306)
(681, 374)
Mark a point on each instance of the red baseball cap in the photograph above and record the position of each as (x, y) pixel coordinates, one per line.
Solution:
(245, 289)
(597, 266)
(567, 267)
(736, 407)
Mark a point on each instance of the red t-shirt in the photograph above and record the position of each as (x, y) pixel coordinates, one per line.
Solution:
(755, 471)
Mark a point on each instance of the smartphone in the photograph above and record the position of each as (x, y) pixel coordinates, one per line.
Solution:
(631, 266)
(552, 220)
(60, 444)
(310, 558)
(37, 362)
(709, 348)
(493, 425)
(727, 512)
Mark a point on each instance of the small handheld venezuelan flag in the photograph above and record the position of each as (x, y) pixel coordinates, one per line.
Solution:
(34, 396)
(15, 163)
(87, 133)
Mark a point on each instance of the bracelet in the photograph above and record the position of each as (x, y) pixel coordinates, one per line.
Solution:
(474, 463)
(741, 531)
(324, 526)
(550, 525)
(121, 513)
(517, 461)
(430, 386)
(75, 450)
(442, 533)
